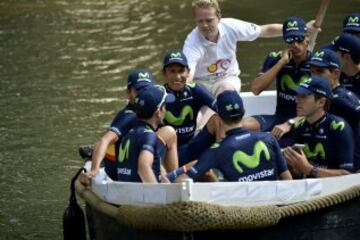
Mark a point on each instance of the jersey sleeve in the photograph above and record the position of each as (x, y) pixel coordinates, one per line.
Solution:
(123, 122)
(204, 96)
(148, 142)
(345, 146)
(244, 31)
(192, 51)
(281, 165)
(270, 61)
(206, 161)
(348, 108)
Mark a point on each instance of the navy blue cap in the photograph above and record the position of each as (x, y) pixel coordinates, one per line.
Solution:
(148, 100)
(294, 27)
(229, 105)
(315, 84)
(175, 56)
(139, 78)
(348, 43)
(325, 58)
(352, 23)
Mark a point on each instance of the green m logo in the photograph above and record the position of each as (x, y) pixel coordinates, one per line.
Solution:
(178, 121)
(288, 82)
(276, 54)
(319, 54)
(124, 151)
(299, 123)
(176, 55)
(144, 75)
(253, 160)
(191, 85)
(335, 125)
(318, 151)
(353, 20)
(292, 24)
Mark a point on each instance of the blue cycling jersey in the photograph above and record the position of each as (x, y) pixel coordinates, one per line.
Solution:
(123, 121)
(182, 113)
(141, 138)
(287, 80)
(328, 142)
(351, 83)
(243, 156)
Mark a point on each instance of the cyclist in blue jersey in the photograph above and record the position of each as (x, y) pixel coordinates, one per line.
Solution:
(328, 139)
(182, 113)
(348, 48)
(288, 69)
(141, 151)
(344, 103)
(242, 155)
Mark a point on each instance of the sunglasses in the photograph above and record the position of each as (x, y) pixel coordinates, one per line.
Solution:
(298, 39)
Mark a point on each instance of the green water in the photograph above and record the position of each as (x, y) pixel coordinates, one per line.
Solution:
(63, 66)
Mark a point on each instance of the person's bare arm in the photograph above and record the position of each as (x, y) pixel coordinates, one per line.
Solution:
(271, 30)
(264, 80)
(100, 151)
(286, 175)
(145, 170)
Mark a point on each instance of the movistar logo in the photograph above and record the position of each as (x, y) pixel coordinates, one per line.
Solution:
(299, 123)
(353, 20)
(335, 125)
(288, 82)
(191, 85)
(276, 54)
(253, 160)
(124, 151)
(319, 54)
(292, 24)
(317, 151)
(176, 55)
(186, 112)
(144, 76)
(215, 145)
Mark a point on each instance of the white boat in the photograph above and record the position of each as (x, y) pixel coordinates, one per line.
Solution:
(327, 208)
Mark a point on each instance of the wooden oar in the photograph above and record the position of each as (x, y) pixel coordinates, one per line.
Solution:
(318, 21)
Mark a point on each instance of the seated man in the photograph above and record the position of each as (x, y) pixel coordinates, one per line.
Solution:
(288, 68)
(344, 103)
(141, 151)
(328, 141)
(182, 113)
(105, 149)
(348, 48)
(242, 155)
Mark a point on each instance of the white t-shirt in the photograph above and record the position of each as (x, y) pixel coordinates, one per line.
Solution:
(209, 60)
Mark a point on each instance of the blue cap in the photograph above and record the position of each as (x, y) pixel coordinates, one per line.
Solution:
(148, 100)
(325, 58)
(348, 43)
(229, 105)
(175, 56)
(352, 23)
(294, 27)
(315, 84)
(139, 78)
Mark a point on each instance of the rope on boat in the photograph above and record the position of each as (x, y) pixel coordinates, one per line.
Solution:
(199, 216)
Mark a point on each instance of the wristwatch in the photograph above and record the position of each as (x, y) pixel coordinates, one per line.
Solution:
(291, 121)
(314, 172)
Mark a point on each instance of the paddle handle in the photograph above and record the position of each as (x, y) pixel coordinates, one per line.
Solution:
(318, 21)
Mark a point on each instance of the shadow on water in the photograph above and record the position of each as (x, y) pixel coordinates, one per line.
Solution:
(63, 66)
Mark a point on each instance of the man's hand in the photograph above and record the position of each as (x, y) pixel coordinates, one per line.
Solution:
(285, 57)
(298, 160)
(279, 130)
(311, 27)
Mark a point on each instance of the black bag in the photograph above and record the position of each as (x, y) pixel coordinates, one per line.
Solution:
(73, 218)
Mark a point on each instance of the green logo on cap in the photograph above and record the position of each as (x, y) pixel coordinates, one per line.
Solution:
(124, 151)
(292, 24)
(335, 125)
(319, 54)
(144, 75)
(318, 151)
(229, 107)
(178, 121)
(250, 161)
(353, 20)
(176, 55)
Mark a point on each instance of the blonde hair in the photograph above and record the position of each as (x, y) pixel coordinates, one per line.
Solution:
(206, 4)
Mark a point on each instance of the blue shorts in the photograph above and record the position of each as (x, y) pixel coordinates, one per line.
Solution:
(267, 122)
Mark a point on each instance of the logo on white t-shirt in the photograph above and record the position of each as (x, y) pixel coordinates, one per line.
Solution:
(223, 64)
